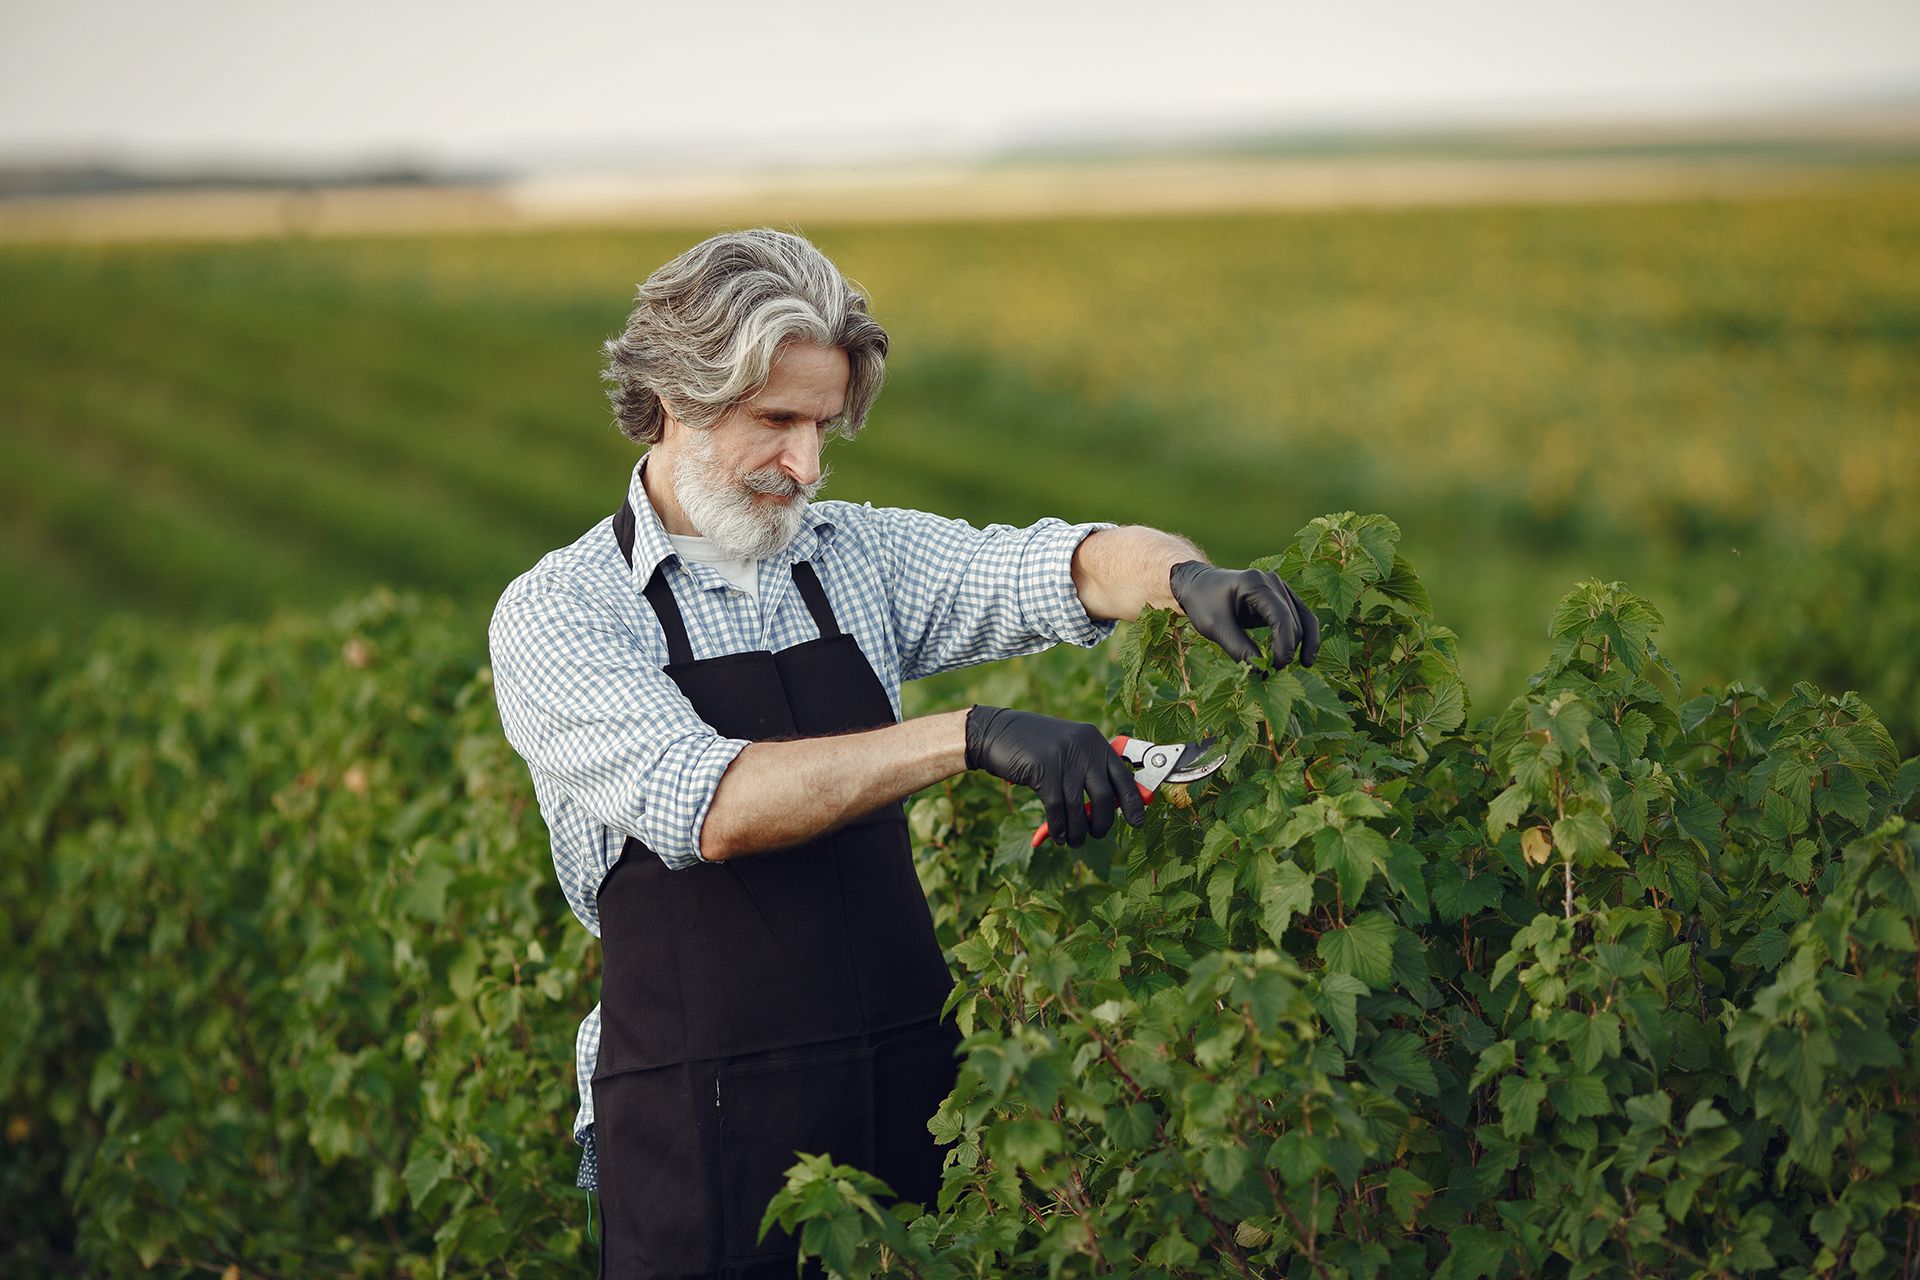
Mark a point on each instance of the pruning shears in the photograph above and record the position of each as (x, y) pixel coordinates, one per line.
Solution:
(1155, 763)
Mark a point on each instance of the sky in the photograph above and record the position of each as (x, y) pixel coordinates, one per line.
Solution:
(583, 83)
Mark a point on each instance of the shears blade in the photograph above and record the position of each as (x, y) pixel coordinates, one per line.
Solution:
(1198, 760)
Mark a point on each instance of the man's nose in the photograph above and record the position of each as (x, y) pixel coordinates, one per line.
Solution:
(802, 458)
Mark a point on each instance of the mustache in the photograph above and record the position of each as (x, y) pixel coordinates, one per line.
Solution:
(776, 483)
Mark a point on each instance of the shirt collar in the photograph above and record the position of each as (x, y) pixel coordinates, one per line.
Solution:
(651, 548)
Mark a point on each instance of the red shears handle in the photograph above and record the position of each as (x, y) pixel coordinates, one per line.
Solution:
(1146, 795)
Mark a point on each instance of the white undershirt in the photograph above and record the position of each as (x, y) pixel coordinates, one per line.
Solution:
(744, 574)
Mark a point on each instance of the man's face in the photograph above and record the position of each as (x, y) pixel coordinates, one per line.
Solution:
(746, 481)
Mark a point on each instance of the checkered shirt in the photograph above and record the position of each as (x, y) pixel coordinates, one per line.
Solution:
(614, 747)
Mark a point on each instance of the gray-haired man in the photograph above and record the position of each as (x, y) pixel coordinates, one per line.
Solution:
(706, 688)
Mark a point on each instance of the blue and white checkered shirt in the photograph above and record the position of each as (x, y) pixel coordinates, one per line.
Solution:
(616, 749)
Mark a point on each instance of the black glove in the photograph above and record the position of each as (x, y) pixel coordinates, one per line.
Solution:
(1060, 760)
(1223, 603)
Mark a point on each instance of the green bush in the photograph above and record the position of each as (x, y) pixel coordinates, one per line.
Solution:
(1611, 982)
(290, 983)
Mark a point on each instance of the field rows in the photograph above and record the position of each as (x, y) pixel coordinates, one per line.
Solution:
(1715, 400)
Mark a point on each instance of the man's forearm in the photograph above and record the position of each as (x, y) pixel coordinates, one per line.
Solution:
(1118, 572)
(778, 794)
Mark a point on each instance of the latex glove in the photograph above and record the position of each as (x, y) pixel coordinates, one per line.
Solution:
(1223, 603)
(1061, 760)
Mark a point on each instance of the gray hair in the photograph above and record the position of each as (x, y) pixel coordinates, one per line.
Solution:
(707, 326)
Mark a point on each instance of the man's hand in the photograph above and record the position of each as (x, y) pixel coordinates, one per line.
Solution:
(1223, 603)
(1060, 760)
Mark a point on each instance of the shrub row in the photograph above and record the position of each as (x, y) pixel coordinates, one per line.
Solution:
(1613, 981)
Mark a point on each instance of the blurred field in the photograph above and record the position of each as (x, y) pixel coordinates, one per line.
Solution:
(1713, 399)
(1342, 176)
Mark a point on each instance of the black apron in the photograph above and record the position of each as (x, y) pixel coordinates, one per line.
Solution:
(772, 1003)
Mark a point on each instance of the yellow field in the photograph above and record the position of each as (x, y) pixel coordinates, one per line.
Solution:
(1714, 398)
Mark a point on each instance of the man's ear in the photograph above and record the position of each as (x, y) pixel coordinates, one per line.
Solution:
(671, 422)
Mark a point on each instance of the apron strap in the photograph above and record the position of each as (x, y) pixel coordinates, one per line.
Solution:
(816, 597)
(623, 531)
(660, 595)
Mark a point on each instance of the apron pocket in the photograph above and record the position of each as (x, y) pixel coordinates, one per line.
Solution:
(914, 1069)
(653, 1143)
(769, 1110)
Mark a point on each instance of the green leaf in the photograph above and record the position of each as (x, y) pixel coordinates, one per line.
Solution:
(974, 953)
(1339, 588)
(1494, 1059)
(1830, 1223)
(1805, 1063)
(1306, 820)
(1027, 1140)
(1406, 875)
(1635, 727)
(1750, 1252)
(1320, 696)
(1696, 814)
(426, 897)
(1445, 707)
(1845, 796)
(424, 1172)
(150, 1236)
(1399, 1058)
(1131, 647)
(1407, 1194)
(1520, 1099)
(1337, 1002)
(1131, 1127)
(836, 1239)
(1298, 1156)
(1695, 711)
(1906, 781)
(1220, 890)
(1286, 891)
(1226, 1167)
(1277, 696)
(1378, 536)
(1476, 1254)
(1764, 950)
(1592, 1038)
(1579, 1096)
(1868, 1254)
(331, 1135)
(1457, 895)
(1506, 809)
(463, 975)
(1568, 722)
(1885, 927)
(1404, 585)
(1533, 763)
(1650, 1111)
(1410, 965)
(1266, 994)
(1364, 949)
(1583, 836)
(1353, 855)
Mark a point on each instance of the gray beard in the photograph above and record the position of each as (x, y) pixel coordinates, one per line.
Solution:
(722, 507)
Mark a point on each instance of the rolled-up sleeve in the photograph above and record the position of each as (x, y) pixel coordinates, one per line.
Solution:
(961, 595)
(585, 705)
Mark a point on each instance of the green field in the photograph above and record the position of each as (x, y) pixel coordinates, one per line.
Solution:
(1713, 400)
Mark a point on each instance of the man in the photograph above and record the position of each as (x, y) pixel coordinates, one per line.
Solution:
(706, 688)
